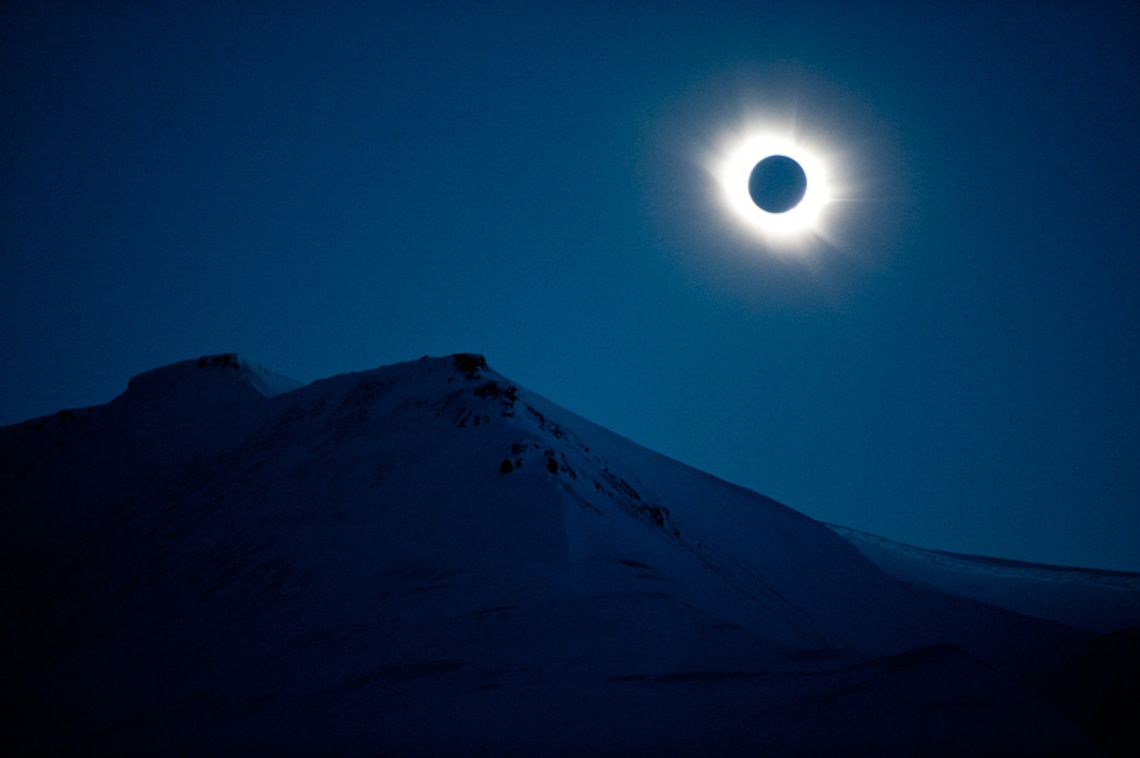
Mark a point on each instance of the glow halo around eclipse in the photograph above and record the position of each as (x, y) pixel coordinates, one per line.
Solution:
(731, 168)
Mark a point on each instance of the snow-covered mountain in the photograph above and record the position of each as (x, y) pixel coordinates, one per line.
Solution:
(429, 558)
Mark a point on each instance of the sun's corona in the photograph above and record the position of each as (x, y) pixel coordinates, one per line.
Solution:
(733, 169)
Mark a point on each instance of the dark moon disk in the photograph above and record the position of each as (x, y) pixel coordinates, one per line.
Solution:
(777, 184)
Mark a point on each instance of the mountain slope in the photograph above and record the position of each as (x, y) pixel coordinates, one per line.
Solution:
(1100, 601)
(427, 556)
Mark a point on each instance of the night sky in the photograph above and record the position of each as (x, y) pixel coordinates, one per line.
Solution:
(335, 186)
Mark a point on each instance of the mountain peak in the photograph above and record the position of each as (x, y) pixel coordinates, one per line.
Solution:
(469, 364)
(210, 373)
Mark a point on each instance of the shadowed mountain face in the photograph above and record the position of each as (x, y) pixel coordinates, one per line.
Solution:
(428, 557)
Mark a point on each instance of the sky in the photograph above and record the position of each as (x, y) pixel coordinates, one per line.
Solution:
(953, 361)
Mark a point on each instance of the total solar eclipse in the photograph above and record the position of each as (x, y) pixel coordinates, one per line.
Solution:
(777, 184)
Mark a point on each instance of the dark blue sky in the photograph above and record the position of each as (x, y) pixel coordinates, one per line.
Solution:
(331, 189)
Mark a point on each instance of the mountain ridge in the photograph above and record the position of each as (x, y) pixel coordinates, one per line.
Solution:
(1096, 599)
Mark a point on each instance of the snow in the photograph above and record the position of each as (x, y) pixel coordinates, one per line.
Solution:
(224, 374)
(1093, 599)
(222, 560)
